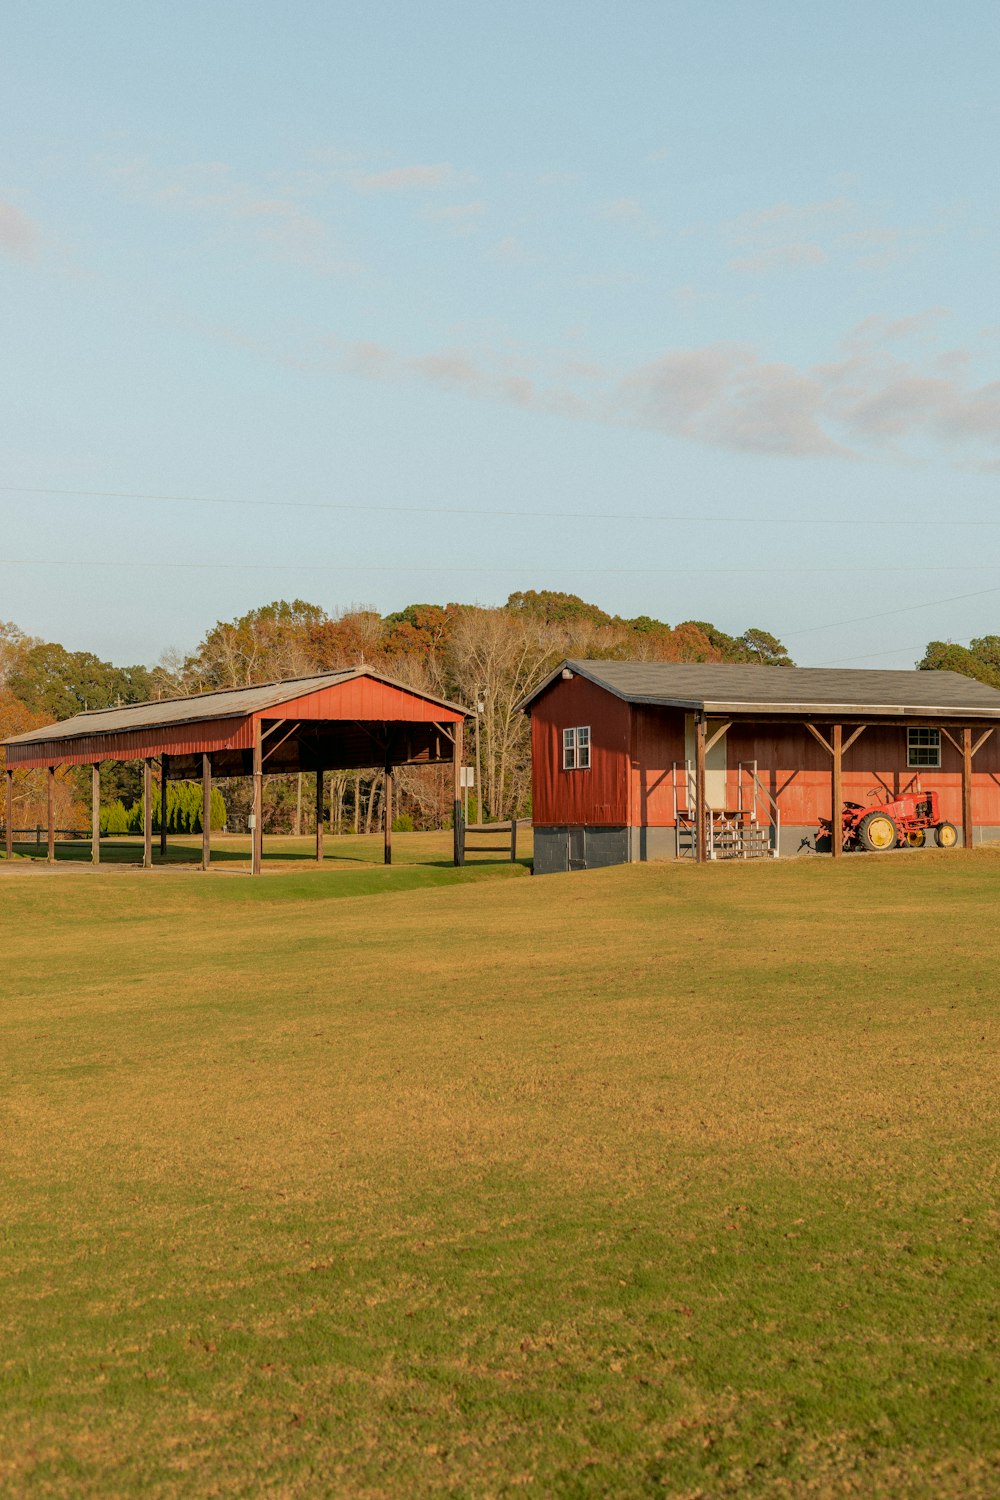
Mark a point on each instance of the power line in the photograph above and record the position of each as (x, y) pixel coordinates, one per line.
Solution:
(488, 513)
(885, 613)
(505, 568)
(870, 655)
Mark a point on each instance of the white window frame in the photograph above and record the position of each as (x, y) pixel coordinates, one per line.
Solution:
(923, 749)
(576, 748)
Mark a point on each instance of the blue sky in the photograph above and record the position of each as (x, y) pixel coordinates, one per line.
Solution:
(631, 301)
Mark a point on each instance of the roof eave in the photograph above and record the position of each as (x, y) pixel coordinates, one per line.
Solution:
(50, 733)
(523, 704)
(851, 711)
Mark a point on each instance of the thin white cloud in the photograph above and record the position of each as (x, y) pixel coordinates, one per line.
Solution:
(513, 252)
(630, 214)
(621, 211)
(866, 404)
(280, 224)
(20, 236)
(789, 236)
(876, 330)
(780, 258)
(460, 218)
(422, 178)
(724, 395)
(557, 179)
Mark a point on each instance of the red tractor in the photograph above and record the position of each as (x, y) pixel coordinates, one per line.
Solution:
(901, 821)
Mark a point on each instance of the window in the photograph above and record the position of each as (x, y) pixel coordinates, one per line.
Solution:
(576, 749)
(923, 748)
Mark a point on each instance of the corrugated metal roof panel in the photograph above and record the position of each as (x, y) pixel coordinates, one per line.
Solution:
(722, 687)
(227, 703)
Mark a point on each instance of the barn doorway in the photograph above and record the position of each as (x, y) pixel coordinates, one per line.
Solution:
(716, 764)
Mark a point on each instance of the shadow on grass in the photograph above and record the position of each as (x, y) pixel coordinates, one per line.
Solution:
(350, 856)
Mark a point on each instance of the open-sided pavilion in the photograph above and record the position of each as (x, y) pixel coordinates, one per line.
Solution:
(336, 721)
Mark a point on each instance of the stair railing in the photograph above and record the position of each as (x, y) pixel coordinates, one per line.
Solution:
(761, 791)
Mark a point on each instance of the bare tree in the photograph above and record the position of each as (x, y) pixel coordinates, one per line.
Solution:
(503, 657)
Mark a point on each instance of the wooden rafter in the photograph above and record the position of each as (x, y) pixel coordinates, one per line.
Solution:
(821, 739)
(981, 741)
(850, 738)
(278, 743)
(717, 736)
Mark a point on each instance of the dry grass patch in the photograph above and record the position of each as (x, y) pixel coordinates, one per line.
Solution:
(647, 1181)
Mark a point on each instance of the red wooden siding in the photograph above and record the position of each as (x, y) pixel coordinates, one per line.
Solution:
(360, 698)
(598, 796)
(657, 742)
(133, 744)
(364, 698)
(634, 749)
(797, 771)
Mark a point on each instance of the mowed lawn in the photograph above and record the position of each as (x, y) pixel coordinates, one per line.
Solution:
(647, 1181)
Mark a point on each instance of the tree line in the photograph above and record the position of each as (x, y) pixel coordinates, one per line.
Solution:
(490, 657)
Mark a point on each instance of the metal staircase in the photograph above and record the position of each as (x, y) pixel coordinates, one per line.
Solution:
(735, 833)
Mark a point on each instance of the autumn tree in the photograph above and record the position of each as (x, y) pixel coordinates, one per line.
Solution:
(353, 637)
(264, 645)
(13, 644)
(501, 656)
(980, 659)
(50, 680)
(29, 792)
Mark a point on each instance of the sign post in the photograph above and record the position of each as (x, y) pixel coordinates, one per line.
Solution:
(468, 779)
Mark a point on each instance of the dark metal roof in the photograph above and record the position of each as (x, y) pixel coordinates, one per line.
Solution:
(723, 688)
(225, 704)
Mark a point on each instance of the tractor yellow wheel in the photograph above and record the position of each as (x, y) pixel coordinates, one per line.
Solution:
(916, 838)
(946, 835)
(877, 831)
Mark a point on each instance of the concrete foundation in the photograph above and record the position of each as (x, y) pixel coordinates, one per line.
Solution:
(591, 848)
(558, 849)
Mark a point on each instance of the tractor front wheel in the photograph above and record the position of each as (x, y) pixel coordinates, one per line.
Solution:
(946, 835)
(916, 838)
(877, 831)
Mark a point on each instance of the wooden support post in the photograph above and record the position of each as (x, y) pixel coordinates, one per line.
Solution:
(206, 810)
(8, 824)
(257, 845)
(147, 814)
(387, 806)
(164, 772)
(967, 753)
(52, 815)
(95, 813)
(700, 808)
(456, 767)
(837, 790)
(319, 817)
(513, 839)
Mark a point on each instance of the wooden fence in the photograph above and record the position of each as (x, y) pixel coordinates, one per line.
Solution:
(38, 834)
(507, 832)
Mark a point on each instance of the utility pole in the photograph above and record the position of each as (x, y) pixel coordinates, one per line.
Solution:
(480, 706)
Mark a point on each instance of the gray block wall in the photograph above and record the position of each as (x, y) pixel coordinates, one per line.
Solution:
(558, 849)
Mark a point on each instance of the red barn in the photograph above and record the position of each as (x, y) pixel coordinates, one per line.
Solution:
(655, 760)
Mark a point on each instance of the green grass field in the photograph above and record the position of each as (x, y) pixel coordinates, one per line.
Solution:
(648, 1181)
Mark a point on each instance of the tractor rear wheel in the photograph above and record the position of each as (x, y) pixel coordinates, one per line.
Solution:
(877, 831)
(946, 835)
(916, 838)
